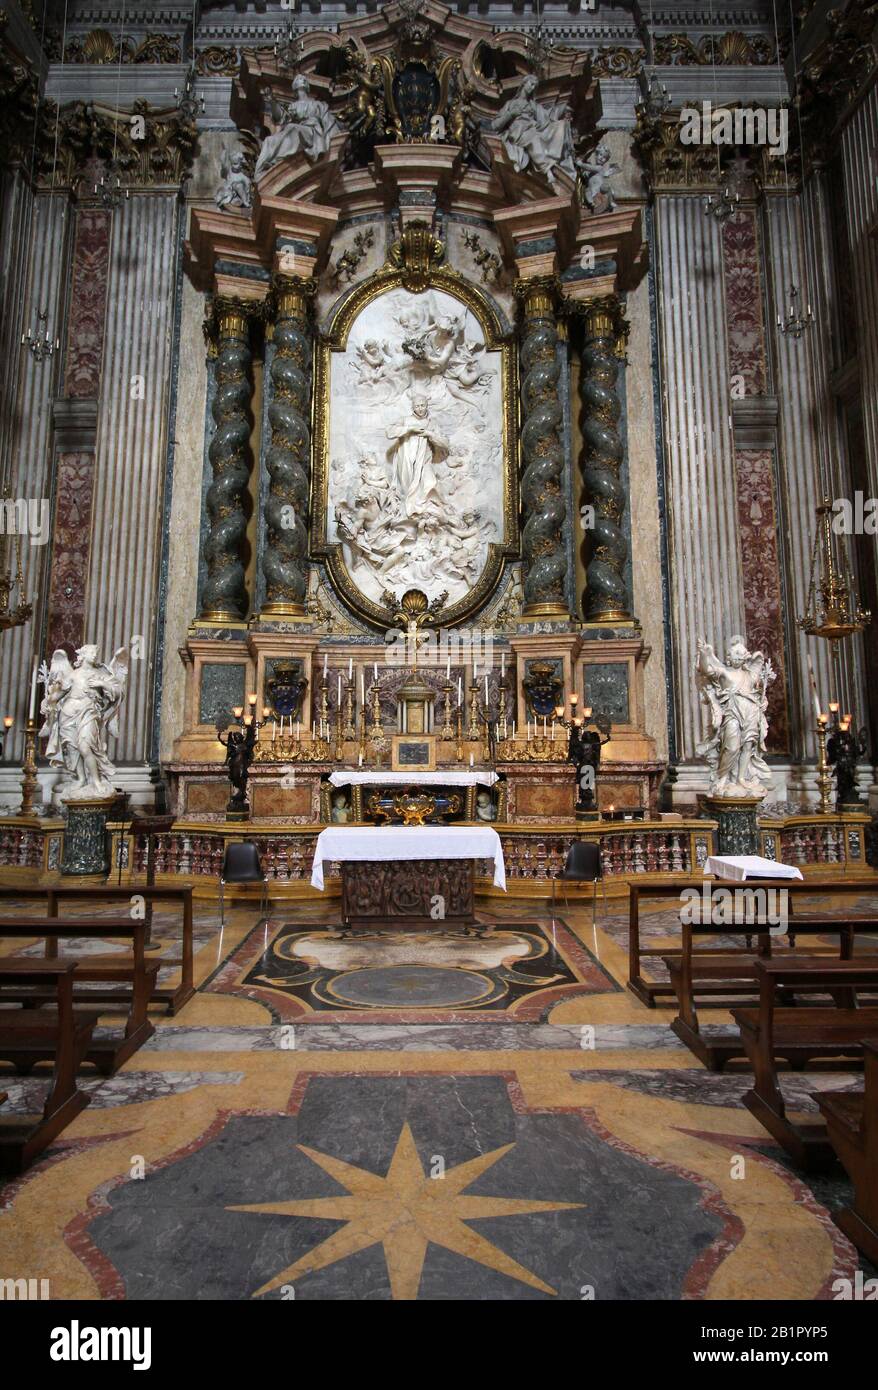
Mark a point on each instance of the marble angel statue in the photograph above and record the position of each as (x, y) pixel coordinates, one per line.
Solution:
(80, 708)
(236, 189)
(536, 136)
(306, 124)
(594, 173)
(735, 693)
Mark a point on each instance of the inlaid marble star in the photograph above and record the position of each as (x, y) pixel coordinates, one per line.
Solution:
(406, 1211)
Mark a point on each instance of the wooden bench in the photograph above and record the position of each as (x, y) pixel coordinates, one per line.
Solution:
(62, 1037)
(174, 997)
(801, 1034)
(852, 1124)
(723, 974)
(106, 1054)
(653, 992)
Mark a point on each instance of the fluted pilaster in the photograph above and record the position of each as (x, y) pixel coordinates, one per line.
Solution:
(288, 459)
(225, 597)
(606, 598)
(542, 499)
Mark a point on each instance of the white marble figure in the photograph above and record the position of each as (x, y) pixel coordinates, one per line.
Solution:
(236, 189)
(80, 708)
(536, 136)
(594, 174)
(306, 124)
(416, 438)
(735, 693)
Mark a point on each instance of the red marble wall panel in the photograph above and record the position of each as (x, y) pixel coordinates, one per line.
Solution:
(744, 307)
(760, 569)
(88, 301)
(74, 490)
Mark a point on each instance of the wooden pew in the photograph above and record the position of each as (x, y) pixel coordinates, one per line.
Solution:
(62, 1037)
(652, 992)
(852, 1123)
(173, 997)
(801, 1034)
(724, 974)
(106, 1054)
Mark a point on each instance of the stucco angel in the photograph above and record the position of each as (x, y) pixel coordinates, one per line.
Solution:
(80, 709)
(593, 182)
(236, 189)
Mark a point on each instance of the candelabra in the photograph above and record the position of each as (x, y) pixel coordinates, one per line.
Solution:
(472, 732)
(288, 48)
(721, 205)
(375, 696)
(502, 726)
(189, 106)
(40, 344)
(824, 776)
(324, 709)
(795, 323)
(108, 192)
(29, 782)
(339, 737)
(459, 734)
(447, 731)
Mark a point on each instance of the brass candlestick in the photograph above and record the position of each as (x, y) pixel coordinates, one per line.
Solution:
(447, 731)
(362, 723)
(29, 782)
(349, 730)
(824, 776)
(324, 710)
(472, 732)
(502, 729)
(376, 706)
(339, 737)
(459, 734)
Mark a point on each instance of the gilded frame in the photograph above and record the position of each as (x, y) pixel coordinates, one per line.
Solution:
(335, 339)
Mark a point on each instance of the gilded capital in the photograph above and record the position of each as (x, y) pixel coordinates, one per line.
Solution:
(538, 295)
(291, 296)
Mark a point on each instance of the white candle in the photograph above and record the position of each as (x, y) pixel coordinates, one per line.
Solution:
(502, 663)
(486, 689)
(448, 669)
(359, 760)
(325, 666)
(471, 760)
(460, 690)
(339, 692)
(298, 730)
(545, 728)
(350, 667)
(513, 731)
(362, 688)
(554, 730)
(375, 670)
(274, 731)
(528, 731)
(33, 693)
(813, 686)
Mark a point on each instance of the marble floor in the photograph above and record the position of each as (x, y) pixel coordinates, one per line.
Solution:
(327, 1120)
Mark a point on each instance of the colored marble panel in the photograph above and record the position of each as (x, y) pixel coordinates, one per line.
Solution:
(206, 796)
(550, 799)
(743, 287)
(274, 800)
(222, 689)
(761, 581)
(85, 321)
(74, 494)
(606, 690)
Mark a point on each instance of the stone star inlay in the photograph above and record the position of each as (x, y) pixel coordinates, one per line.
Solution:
(404, 1212)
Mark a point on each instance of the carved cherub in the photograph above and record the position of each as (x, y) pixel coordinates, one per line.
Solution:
(236, 189)
(593, 179)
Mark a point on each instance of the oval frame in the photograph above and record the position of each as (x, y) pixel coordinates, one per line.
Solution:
(334, 340)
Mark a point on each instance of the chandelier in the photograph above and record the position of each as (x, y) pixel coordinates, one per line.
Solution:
(288, 48)
(721, 205)
(40, 344)
(656, 97)
(109, 187)
(833, 609)
(795, 323)
(11, 617)
(189, 106)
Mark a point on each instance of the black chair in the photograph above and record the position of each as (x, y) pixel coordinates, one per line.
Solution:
(583, 865)
(241, 865)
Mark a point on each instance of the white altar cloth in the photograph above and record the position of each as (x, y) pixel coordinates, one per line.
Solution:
(440, 778)
(339, 843)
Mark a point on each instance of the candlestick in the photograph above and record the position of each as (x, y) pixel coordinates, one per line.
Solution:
(447, 731)
(29, 782)
(473, 730)
(824, 776)
(349, 730)
(459, 750)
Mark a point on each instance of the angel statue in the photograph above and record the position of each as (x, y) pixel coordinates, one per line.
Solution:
(593, 182)
(236, 189)
(736, 696)
(80, 708)
(305, 124)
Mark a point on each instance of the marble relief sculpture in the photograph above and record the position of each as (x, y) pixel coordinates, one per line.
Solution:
(236, 189)
(304, 125)
(80, 708)
(416, 469)
(536, 137)
(735, 693)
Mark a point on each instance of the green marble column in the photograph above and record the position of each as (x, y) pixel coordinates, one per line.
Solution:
(606, 598)
(288, 459)
(225, 596)
(544, 513)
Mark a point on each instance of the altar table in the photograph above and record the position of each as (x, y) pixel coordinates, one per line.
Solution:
(397, 875)
(442, 777)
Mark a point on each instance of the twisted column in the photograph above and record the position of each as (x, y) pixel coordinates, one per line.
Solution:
(542, 500)
(225, 597)
(288, 459)
(606, 598)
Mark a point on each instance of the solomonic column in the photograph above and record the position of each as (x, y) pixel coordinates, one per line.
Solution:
(544, 511)
(288, 458)
(225, 596)
(606, 598)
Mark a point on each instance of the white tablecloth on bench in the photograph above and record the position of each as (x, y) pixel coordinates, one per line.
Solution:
(340, 843)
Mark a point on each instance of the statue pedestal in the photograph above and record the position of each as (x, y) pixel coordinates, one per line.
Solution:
(736, 817)
(85, 836)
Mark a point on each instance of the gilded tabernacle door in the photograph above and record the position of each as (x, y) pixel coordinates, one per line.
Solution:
(415, 477)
